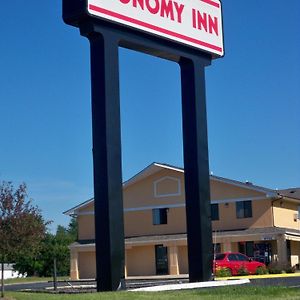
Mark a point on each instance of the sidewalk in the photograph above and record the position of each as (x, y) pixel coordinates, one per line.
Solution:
(188, 286)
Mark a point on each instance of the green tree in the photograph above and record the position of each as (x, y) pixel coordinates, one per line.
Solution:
(22, 226)
(73, 229)
(52, 246)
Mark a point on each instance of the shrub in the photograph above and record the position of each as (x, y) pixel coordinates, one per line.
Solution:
(261, 271)
(290, 269)
(223, 272)
(242, 271)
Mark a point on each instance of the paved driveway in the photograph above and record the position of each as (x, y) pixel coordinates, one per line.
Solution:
(280, 281)
(293, 281)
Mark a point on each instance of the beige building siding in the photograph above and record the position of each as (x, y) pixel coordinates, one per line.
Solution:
(142, 193)
(87, 265)
(284, 214)
(221, 190)
(88, 208)
(140, 223)
(183, 260)
(140, 261)
(261, 216)
(152, 191)
(86, 227)
(235, 247)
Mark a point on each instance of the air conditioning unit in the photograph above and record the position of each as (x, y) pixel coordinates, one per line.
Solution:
(296, 217)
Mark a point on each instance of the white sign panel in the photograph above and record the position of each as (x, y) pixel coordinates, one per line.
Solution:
(196, 23)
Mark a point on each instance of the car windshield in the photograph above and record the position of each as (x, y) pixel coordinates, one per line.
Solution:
(220, 256)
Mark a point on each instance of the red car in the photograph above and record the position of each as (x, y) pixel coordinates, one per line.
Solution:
(235, 262)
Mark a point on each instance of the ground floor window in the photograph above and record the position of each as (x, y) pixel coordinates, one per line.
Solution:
(247, 248)
(217, 248)
(260, 251)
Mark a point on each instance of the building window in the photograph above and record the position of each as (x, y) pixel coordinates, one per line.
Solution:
(246, 248)
(244, 209)
(159, 216)
(214, 212)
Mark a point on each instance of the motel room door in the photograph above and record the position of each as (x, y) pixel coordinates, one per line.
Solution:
(161, 260)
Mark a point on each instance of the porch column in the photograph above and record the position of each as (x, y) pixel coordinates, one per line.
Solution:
(226, 246)
(74, 274)
(126, 261)
(282, 250)
(173, 260)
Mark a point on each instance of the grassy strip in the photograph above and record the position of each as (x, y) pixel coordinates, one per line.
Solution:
(31, 279)
(239, 293)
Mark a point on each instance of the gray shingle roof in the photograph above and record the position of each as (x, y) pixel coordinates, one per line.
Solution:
(290, 193)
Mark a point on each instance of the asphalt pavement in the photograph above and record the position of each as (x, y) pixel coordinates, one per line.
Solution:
(279, 281)
(288, 281)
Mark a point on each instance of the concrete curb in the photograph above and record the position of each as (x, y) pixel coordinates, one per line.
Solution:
(194, 285)
(285, 275)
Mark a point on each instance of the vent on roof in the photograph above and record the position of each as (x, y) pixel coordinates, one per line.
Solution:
(292, 192)
(248, 182)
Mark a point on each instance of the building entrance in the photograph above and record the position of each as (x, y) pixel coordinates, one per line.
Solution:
(161, 260)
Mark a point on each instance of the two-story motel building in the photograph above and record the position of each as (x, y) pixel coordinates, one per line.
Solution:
(254, 220)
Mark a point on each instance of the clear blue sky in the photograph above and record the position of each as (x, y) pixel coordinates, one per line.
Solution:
(253, 100)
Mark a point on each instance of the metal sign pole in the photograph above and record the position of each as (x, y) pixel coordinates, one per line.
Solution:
(109, 231)
(196, 168)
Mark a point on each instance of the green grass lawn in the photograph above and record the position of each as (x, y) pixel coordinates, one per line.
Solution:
(227, 293)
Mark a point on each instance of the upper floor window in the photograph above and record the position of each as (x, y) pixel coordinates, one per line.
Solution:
(214, 212)
(244, 209)
(159, 216)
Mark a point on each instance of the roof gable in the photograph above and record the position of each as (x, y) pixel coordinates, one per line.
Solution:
(157, 167)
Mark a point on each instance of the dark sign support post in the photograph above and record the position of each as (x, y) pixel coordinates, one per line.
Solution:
(196, 168)
(109, 229)
(107, 155)
(105, 37)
